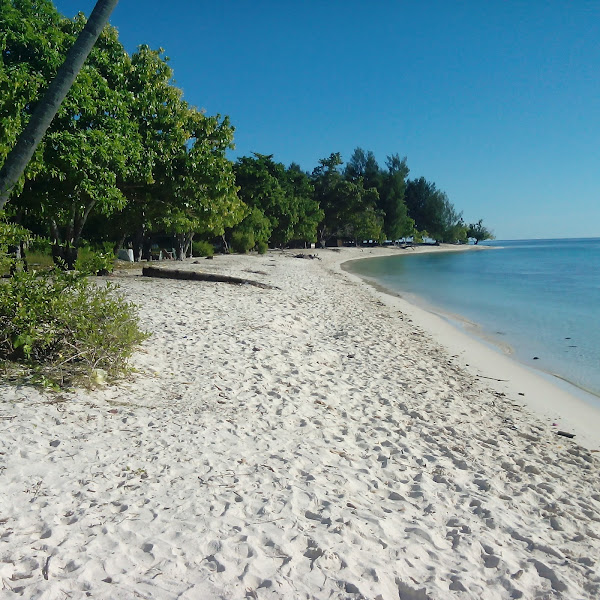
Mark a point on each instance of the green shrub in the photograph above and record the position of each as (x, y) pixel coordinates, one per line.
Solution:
(10, 235)
(64, 329)
(262, 247)
(107, 247)
(242, 241)
(39, 245)
(202, 248)
(39, 253)
(39, 260)
(95, 263)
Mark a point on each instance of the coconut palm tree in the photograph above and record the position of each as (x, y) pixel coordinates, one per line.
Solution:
(48, 106)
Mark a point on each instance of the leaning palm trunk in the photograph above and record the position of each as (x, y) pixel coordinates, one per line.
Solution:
(48, 106)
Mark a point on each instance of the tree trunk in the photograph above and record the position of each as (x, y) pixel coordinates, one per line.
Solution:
(137, 251)
(189, 238)
(180, 246)
(138, 240)
(65, 243)
(17, 160)
(80, 220)
(186, 241)
(142, 245)
(146, 248)
(196, 276)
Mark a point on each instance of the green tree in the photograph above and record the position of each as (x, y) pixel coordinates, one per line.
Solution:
(259, 179)
(363, 220)
(350, 211)
(203, 196)
(478, 232)
(432, 211)
(445, 223)
(254, 229)
(91, 141)
(326, 179)
(124, 141)
(46, 107)
(189, 185)
(309, 214)
(91, 146)
(397, 223)
(417, 194)
(31, 52)
(283, 196)
(458, 233)
(161, 117)
(183, 184)
(363, 165)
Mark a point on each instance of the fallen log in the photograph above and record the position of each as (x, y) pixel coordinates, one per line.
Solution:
(195, 276)
(311, 256)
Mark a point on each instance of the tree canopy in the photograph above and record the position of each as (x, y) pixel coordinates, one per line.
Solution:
(478, 232)
(48, 103)
(127, 160)
(283, 196)
(123, 144)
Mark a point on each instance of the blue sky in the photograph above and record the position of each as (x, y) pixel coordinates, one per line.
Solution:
(496, 102)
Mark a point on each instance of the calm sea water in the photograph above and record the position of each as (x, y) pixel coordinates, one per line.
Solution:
(540, 297)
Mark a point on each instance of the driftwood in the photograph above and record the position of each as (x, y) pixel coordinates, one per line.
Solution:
(195, 276)
(311, 256)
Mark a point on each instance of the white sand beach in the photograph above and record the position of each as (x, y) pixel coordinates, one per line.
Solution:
(318, 440)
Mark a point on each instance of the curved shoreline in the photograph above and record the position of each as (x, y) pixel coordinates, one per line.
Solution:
(551, 398)
(476, 331)
(459, 321)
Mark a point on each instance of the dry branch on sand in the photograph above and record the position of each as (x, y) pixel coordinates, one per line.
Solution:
(195, 276)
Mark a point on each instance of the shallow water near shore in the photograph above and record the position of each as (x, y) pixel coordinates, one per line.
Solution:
(534, 298)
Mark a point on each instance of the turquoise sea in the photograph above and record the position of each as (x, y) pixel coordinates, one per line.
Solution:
(540, 298)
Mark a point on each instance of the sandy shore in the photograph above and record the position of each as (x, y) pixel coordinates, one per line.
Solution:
(310, 441)
(553, 400)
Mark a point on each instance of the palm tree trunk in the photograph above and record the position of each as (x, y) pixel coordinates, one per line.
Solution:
(48, 106)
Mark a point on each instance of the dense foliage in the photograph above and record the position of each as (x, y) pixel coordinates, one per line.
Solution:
(281, 206)
(64, 328)
(128, 161)
(125, 152)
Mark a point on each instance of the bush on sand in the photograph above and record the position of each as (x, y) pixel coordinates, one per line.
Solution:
(62, 329)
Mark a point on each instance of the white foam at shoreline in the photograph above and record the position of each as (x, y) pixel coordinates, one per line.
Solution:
(305, 442)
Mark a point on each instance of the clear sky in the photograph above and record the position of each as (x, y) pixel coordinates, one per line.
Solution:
(496, 102)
